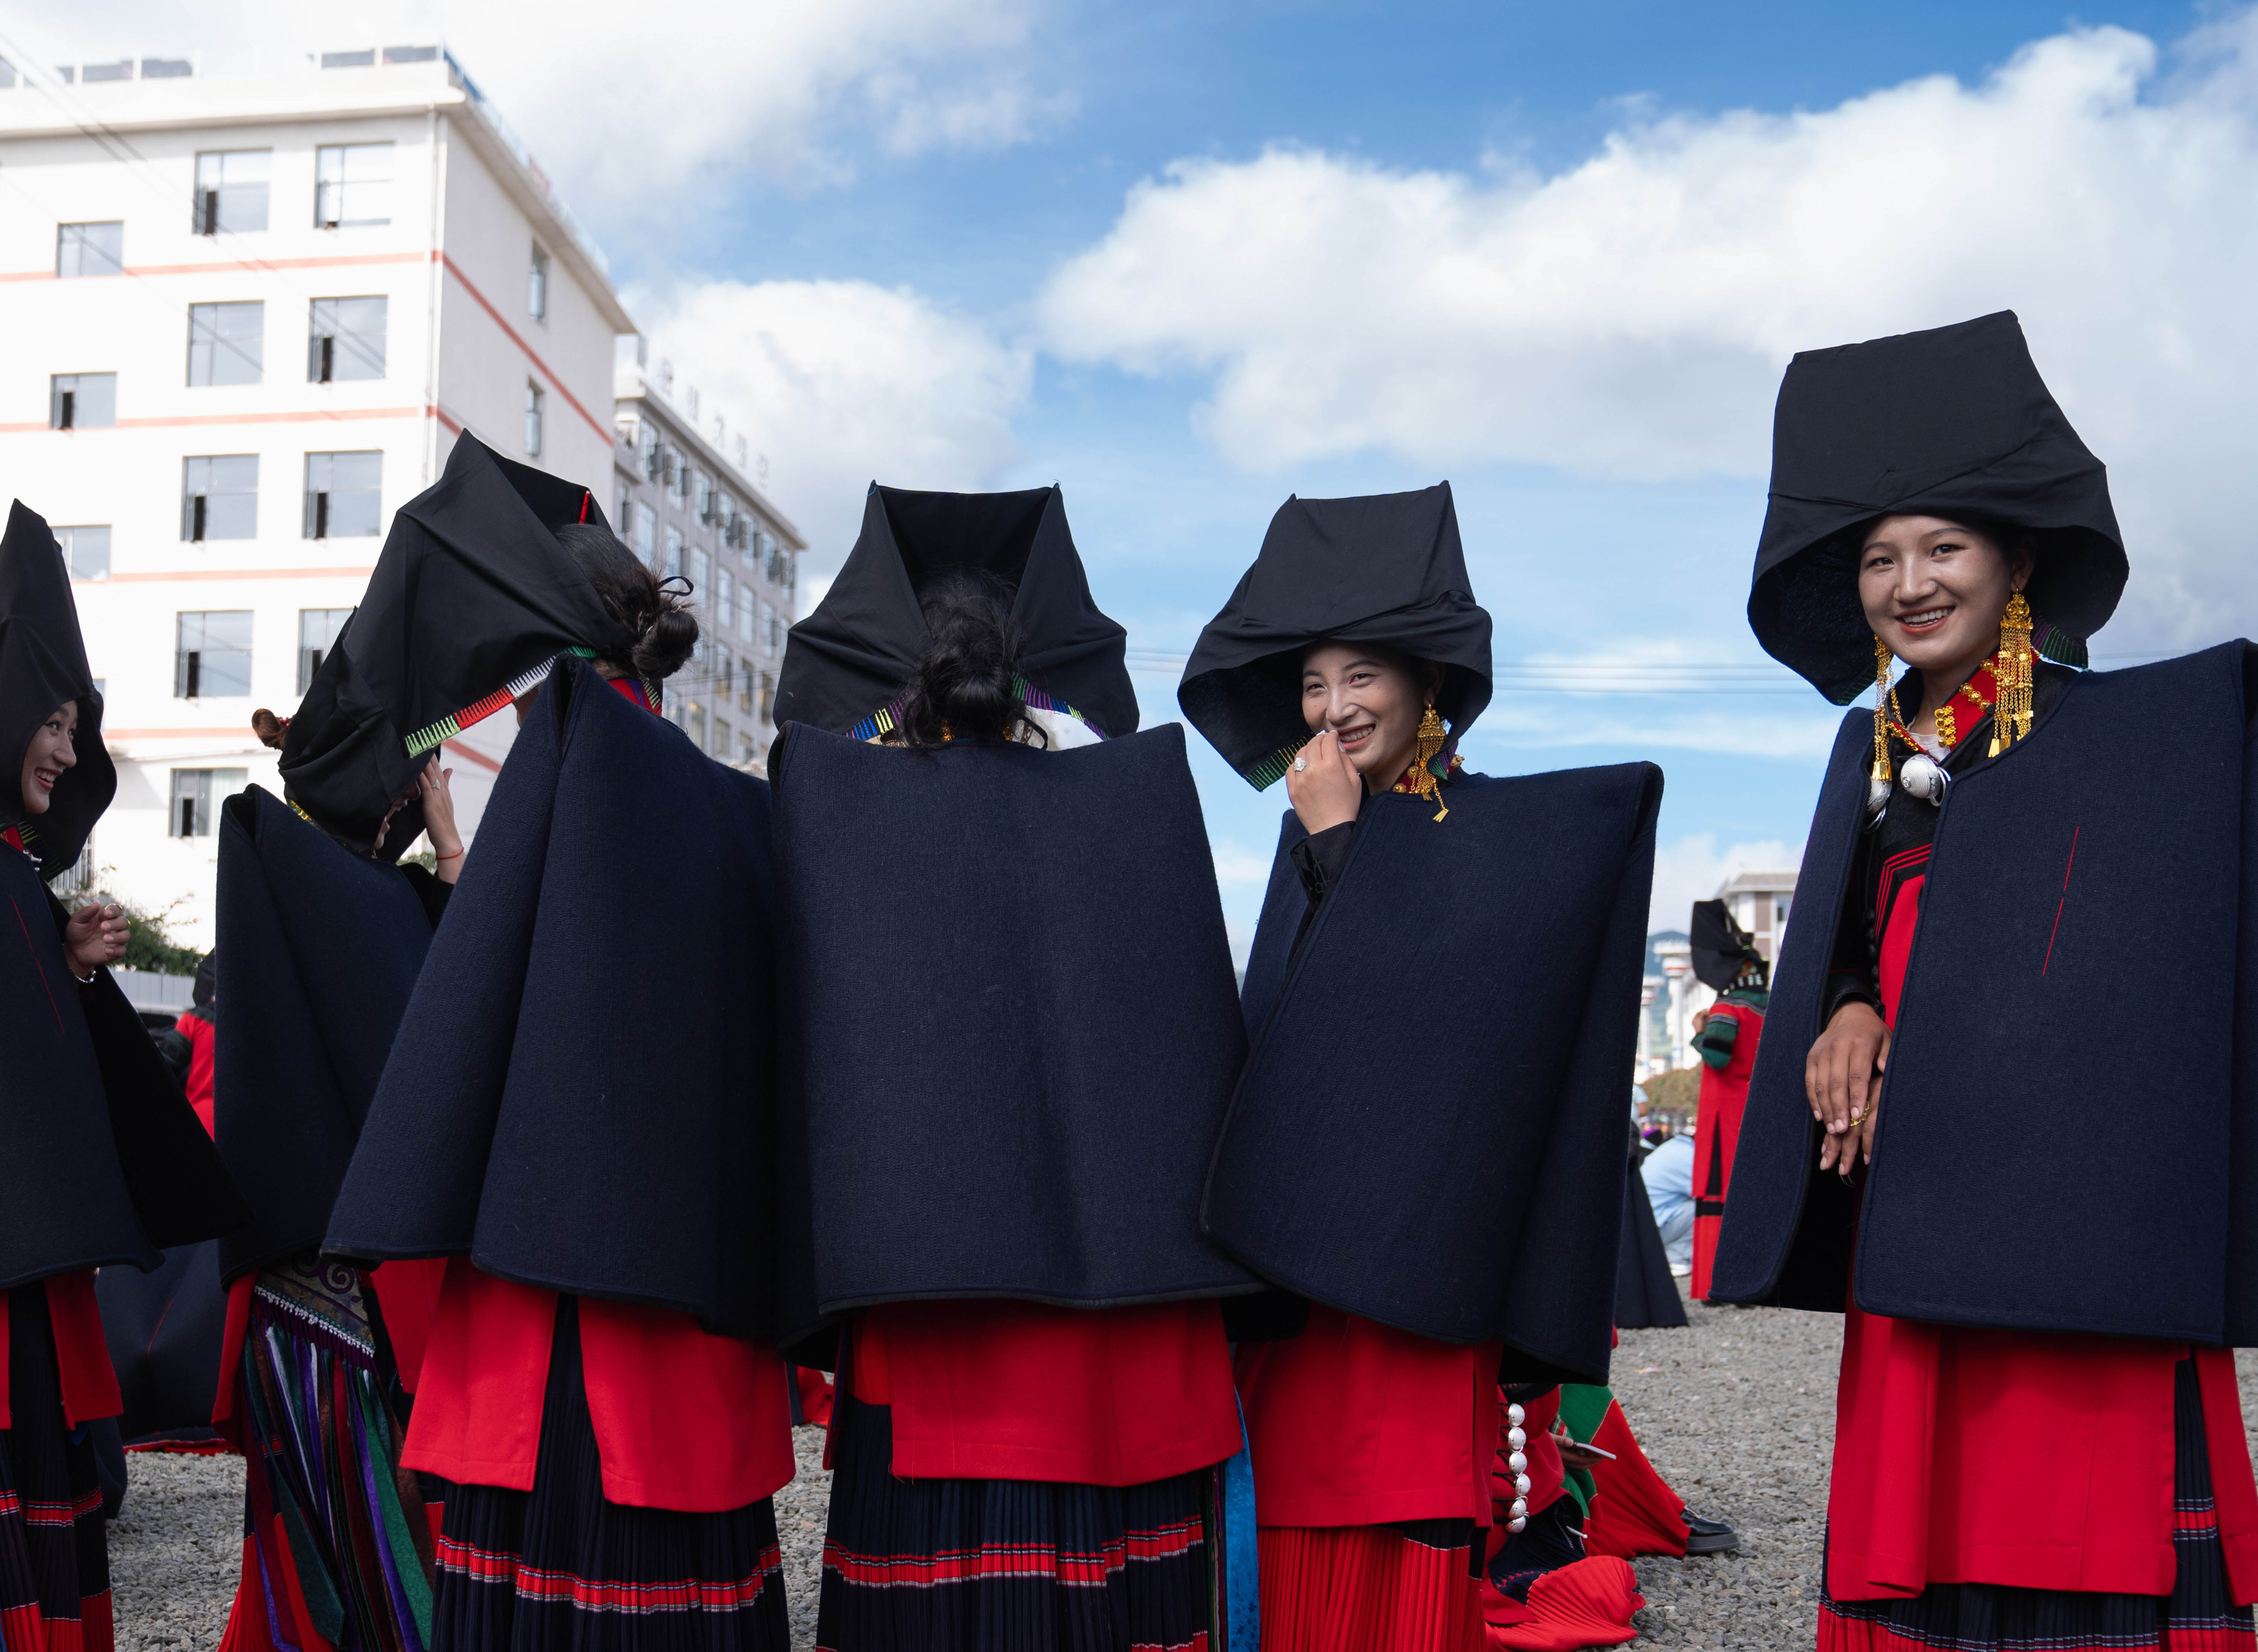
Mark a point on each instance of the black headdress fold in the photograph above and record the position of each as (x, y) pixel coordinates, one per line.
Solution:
(471, 598)
(1011, 1125)
(1954, 423)
(845, 665)
(1385, 568)
(1722, 948)
(580, 1095)
(42, 666)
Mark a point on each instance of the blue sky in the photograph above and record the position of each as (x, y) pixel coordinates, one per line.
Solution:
(1188, 258)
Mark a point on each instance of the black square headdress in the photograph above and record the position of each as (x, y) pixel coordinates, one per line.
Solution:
(846, 664)
(1954, 423)
(1384, 568)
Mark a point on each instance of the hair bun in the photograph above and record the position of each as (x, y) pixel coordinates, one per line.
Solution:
(967, 682)
(654, 612)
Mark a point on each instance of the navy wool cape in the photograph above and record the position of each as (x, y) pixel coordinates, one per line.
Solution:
(1430, 1130)
(2067, 1135)
(1012, 1026)
(580, 1097)
(323, 949)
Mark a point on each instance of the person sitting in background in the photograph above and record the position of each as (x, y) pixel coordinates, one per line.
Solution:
(1668, 1173)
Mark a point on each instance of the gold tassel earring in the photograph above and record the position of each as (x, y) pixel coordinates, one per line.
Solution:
(2011, 711)
(1429, 741)
(1877, 790)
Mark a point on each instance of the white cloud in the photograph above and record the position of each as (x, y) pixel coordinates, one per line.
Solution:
(1630, 317)
(840, 383)
(1693, 868)
(630, 106)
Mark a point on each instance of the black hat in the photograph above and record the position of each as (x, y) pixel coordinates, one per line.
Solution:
(846, 666)
(1385, 568)
(42, 666)
(471, 600)
(1723, 950)
(1954, 423)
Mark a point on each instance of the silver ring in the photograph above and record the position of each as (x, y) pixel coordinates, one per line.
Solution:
(1299, 764)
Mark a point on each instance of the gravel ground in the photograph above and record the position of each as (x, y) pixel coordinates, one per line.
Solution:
(1736, 1412)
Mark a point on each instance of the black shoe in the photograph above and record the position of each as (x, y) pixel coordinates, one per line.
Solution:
(1707, 1537)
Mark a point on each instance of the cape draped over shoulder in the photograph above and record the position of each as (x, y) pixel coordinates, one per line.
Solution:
(1013, 1023)
(581, 1097)
(1456, 1170)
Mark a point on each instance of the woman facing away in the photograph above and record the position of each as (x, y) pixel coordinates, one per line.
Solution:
(1001, 1162)
(1350, 659)
(105, 1162)
(2038, 1438)
(574, 1131)
(326, 930)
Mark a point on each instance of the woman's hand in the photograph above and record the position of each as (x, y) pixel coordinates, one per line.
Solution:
(1842, 1077)
(94, 936)
(1324, 785)
(439, 819)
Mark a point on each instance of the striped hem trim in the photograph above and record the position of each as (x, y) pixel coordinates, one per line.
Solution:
(618, 1596)
(1003, 1562)
(433, 734)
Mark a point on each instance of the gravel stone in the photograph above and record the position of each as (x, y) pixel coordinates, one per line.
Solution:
(1736, 1411)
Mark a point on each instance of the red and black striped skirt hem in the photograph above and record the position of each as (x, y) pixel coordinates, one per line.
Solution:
(2197, 1616)
(563, 1569)
(963, 1565)
(54, 1557)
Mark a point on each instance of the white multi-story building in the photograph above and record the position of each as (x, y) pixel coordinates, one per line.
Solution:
(685, 499)
(246, 314)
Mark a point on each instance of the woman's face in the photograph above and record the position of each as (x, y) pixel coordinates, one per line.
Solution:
(1935, 590)
(1370, 701)
(48, 755)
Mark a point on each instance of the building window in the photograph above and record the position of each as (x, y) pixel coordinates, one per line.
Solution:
(86, 551)
(700, 570)
(620, 508)
(694, 722)
(768, 697)
(536, 286)
(748, 750)
(672, 566)
(769, 629)
(343, 493)
(345, 340)
(745, 680)
(318, 629)
(211, 655)
(82, 401)
(219, 497)
(89, 249)
(226, 343)
(646, 527)
(725, 599)
(352, 187)
(533, 401)
(725, 667)
(196, 792)
(685, 481)
(231, 190)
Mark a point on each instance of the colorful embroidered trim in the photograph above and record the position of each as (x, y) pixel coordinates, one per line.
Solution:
(446, 728)
(1037, 700)
(887, 719)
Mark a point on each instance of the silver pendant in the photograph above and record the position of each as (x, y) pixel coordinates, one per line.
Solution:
(1924, 777)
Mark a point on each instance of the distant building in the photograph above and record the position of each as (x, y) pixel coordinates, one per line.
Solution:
(1759, 903)
(246, 314)
(682, 498)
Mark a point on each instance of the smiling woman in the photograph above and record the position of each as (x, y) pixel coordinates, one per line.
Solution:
(1966, 906)
(105, 1163)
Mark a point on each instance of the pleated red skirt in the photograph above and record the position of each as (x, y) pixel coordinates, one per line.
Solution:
(1368, 1589)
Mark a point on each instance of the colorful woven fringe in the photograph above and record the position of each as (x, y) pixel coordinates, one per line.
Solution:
(338, 1542)
(428, 737)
